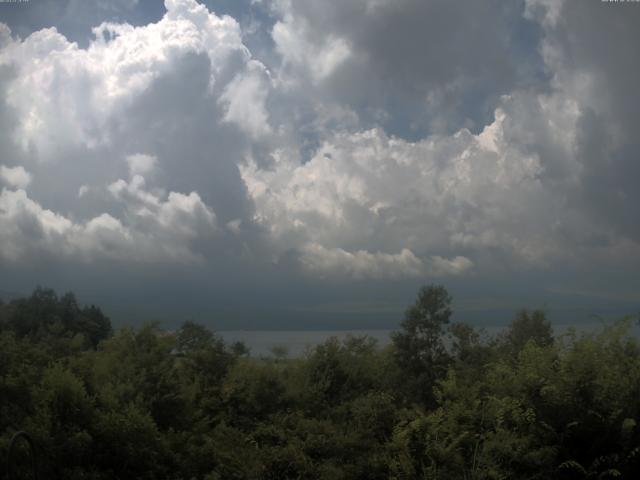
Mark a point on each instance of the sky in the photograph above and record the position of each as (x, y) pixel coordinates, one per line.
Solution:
(268, 164)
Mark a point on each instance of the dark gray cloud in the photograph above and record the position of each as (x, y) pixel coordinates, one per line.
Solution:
(590, 50)
(417, 66)
(600, 42)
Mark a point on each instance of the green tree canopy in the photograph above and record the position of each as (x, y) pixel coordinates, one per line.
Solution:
(420, 350)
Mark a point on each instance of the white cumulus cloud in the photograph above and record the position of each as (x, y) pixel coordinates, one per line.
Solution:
(155, 229)
(16, 177)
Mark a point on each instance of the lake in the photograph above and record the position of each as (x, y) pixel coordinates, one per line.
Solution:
(260, 342)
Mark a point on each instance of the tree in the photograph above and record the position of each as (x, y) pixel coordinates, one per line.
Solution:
(30, 316)
(469, 351)
(55, 321)
(419, 348)
(252, 391)
(529, 326)
(94, 324)
(193, 337)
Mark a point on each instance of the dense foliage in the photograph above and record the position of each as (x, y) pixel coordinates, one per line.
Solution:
(442, 401)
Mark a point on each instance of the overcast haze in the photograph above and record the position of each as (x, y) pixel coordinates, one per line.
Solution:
(309, 164)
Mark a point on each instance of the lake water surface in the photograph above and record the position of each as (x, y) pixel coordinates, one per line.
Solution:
(260, 342)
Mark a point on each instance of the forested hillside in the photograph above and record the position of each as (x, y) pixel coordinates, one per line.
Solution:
(147, 403)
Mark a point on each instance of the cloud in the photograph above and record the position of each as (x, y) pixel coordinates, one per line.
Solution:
(180, 100)
(501, 199)
(319, 57)
(92, 85)
(244, 98)
(459, 193)
(74, 18)
(453, 266)
(585, 129)
(402, 64)
(366, 140)
(155, 230)
(15, 176)
(140, 163)
(362, 264)
(547, 11)
(5, 34)
(185, 215)
(83, 190)
(187, 92)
